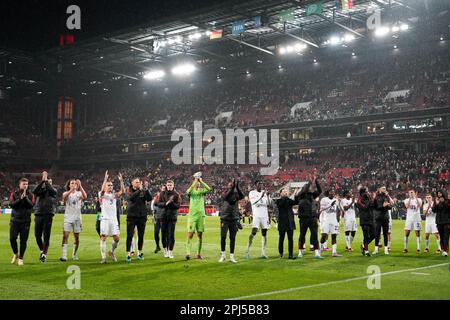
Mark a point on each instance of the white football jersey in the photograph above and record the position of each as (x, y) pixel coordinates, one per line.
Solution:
(413, 212)
(73, 207)
(350, 212)
(431, 215)
(329, 212)
(259, 204)
(109, 206)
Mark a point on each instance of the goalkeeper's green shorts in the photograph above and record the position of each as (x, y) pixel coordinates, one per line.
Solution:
(196, 224)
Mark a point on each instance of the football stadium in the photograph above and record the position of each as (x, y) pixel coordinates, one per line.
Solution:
(225, 150)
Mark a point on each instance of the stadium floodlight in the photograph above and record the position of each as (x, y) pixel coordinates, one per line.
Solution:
(183, 69)
(300, 46)
(154, 74)
(348, 37)
(335, 40)
(282, 50)
(381, 31)
(404, 27)
(195, 36)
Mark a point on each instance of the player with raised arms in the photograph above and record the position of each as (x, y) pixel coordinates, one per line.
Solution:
(73, 198)
(109, 224)
(196, 217)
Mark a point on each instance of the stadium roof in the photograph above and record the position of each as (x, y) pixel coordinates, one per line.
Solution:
(127, 54)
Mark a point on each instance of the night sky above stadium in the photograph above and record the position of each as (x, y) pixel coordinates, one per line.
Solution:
(34, 25)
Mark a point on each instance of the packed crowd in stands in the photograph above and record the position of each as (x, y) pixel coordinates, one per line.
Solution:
(17, 139)
(359, 87)
(344, 169)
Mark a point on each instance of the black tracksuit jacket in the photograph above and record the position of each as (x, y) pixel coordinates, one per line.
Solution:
(136, 207)
(307, 205)
(21, 208)
(442, 210)
(381, 213)
(365, 207)
(171, 210)
(230, 210)
(46, 199)
(286, 219)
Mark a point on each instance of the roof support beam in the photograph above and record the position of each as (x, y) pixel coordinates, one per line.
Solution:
(115, 73)
(250, 45)
(342, 26)
(295, 37)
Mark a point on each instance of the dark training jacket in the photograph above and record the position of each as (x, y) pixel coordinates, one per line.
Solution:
(381, 213)
(442, 210)
(307, 205)
(170, 211)
(230, 209)
(286, 220)
(159, 212)
(365, 207)
(46, 199)
(21, 208)
(137, 202)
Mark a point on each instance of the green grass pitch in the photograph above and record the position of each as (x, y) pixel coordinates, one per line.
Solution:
(404, 276)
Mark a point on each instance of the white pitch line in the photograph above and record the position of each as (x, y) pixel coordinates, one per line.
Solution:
(334, 282)
(420, 273)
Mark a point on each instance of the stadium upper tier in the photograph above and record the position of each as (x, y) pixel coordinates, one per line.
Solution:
(364, 84)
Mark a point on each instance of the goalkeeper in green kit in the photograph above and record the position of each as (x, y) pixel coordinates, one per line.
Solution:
(196, 216)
